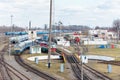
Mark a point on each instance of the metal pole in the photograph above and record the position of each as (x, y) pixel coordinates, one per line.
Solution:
(9, 47)
(50, 27)
(60, 26)
(88, 41)
(81, 67)
(118, 36)
(80, 53)
(55, 29)
(9, 37)
(60, 29)
(11, 22)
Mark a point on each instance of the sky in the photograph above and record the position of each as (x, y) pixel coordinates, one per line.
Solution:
(70, 12)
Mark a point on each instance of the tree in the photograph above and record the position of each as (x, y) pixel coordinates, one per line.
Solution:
(116, 25)
(97, 27)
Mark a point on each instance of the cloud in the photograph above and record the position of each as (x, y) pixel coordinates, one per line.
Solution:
(109, 5)
(94, 12)
(23, 11)
(18, 5)
(100, 13)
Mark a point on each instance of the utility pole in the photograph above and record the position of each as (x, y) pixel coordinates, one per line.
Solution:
(50, 27)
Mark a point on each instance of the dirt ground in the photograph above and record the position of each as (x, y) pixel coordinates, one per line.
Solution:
(115, 74)
(55, 68)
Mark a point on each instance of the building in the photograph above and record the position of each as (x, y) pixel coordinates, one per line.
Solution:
(104, 34)
(112, 35)
(35, 49)
(98, 33)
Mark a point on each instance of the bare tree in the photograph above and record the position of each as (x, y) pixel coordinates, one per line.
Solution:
(97, 27)
(60, 25)
(116, 25)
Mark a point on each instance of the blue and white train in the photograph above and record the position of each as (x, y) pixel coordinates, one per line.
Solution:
(16, 33)
(38, 32)
(18, 39)
(19, 48)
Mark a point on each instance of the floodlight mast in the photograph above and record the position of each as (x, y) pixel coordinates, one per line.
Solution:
(9, 37)
(50, 27)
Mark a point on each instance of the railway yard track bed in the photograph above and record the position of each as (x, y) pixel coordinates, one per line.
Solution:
(36, 71)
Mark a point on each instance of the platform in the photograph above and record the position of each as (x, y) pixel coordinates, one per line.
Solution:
(98, 57)
(43, 57)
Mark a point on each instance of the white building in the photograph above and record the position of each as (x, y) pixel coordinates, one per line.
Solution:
(97, 32)
(112, 35)
(35, 49)
(93, 32)
(104, 34)
(62, 41)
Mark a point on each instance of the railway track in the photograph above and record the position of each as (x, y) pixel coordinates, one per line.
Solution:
(94, 74)
(15, 72)
(3, 70)
(76, 67)
(37, 72)
(7, 71)
(88, 72)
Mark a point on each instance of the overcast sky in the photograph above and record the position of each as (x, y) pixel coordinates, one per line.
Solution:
(71, 12)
